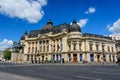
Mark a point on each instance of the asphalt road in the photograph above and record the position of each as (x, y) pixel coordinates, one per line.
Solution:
(58, 72)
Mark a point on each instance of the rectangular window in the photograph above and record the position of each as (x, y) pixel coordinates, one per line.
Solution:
(90, 47)
(31, 57)
(80, 57)
(92, 57)
(110, 58)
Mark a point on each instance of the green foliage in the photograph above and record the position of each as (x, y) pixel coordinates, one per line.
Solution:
(7, 54)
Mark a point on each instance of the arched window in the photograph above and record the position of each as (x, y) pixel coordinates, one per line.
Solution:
(40, 42)
(47, 42)
(43, 42)
(44, 48)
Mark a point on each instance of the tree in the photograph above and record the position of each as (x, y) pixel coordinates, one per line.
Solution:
(7, 54)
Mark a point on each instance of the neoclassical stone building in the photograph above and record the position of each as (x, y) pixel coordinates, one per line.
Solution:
(66, 43)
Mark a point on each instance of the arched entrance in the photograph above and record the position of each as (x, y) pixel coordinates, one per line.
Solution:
(98, 57)
(43, 58)
(75, 58)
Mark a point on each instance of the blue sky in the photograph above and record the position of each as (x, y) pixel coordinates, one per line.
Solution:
(94, 16)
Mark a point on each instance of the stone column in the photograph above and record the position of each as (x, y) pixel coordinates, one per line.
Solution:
(77, 46)
(71, 46)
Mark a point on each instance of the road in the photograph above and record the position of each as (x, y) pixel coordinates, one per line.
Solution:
(10, 71)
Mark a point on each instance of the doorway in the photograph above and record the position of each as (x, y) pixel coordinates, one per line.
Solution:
(42, 58)
(98, 57)
(75, 58)
(80, 57)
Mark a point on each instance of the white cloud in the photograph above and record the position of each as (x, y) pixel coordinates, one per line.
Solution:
(115, 28)
(90, 10)
(30, 10)
(82, 22)
(5, 44)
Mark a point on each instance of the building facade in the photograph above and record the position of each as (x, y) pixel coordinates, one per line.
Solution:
(115, 36)
(66, 43)
(118, 48)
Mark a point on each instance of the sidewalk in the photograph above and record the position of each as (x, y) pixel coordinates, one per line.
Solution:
(77, 64)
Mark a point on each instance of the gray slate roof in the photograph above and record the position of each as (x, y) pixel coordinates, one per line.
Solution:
(54, 29)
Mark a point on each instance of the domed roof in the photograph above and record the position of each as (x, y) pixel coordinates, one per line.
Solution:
(74, 27)
(23, 36)
(48, 27)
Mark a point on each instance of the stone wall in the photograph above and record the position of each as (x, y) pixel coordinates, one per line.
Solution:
(17, 57)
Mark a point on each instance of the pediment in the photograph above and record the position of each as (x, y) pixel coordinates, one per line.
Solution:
(43, 36)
